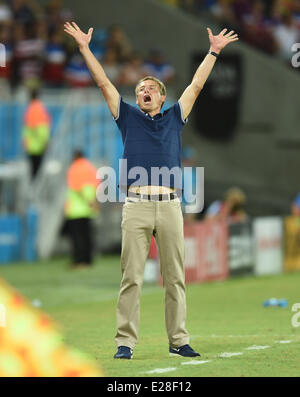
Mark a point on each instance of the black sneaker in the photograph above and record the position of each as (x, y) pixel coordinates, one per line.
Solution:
(124, 352)
(184, 351)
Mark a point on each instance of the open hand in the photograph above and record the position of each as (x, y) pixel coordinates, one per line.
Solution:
(81, 38)
(217, 43)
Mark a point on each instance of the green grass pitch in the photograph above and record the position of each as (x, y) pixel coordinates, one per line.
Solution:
(222, 317)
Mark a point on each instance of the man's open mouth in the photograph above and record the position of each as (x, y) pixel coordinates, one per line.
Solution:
(147, 98)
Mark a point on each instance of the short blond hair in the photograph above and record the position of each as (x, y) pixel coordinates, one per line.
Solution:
(162, 87)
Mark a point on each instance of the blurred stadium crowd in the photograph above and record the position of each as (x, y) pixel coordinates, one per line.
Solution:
(272, 26)
(38, 51)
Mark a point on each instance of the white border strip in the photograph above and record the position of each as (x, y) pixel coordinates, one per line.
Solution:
(182, 119)
(240, 336)
(195, 362)
(254, 347)
(227, 355)
(160, 370)
(283, 341)
(221, 355)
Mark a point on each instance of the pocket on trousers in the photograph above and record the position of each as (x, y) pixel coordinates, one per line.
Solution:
(175, 203)
(127, 206)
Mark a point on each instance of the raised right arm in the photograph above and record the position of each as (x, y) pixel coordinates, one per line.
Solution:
(109, 91)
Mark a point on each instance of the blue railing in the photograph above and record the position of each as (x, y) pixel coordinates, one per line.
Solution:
(98, 135)
(11, 123)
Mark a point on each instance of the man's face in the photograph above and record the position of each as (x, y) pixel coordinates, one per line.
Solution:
(148, 97)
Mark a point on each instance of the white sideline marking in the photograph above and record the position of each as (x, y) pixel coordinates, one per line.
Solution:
(221, 355)
(195, 362)
(237, 336)
(225, 355)
(283, 341)
(257, 347)
(160, 370)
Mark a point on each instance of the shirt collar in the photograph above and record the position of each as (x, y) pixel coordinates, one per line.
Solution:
(157, 116)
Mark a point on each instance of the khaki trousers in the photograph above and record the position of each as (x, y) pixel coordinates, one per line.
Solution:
(140, 220)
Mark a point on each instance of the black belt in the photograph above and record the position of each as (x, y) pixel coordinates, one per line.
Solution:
(153, 197)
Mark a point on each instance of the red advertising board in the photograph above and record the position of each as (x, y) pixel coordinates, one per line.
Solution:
(206, 251)
(212, 242)
(191, 253)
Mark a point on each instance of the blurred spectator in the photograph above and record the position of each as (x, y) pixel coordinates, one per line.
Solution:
(81, 206)
(56, 15)
(28, 54)
(257, 29)
(36, 131)
(110, 65)
(6, 71)
(37, 52)
(5, 15)
(231, 210)
(55, 60)
(98, 44)
(272, 26)
(286, 34)
(26, 12)
(296, 11)
(156, 66)
(295, 207)
(77, 74)
(223, 12)
(241, 11)
(132, 71)
(118, 42)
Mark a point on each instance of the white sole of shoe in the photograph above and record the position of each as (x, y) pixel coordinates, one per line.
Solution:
(174, 355)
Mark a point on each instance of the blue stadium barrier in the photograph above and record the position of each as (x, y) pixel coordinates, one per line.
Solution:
(99, 138)
(10, 238)
(108, 142)
(29, 233)
(55, 113)
(11, 124)
(11, 116)
(18, 236)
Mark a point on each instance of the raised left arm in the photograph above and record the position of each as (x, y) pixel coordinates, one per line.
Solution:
(217, 43)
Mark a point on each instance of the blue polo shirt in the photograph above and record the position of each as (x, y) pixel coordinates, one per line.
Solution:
(153, 144)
